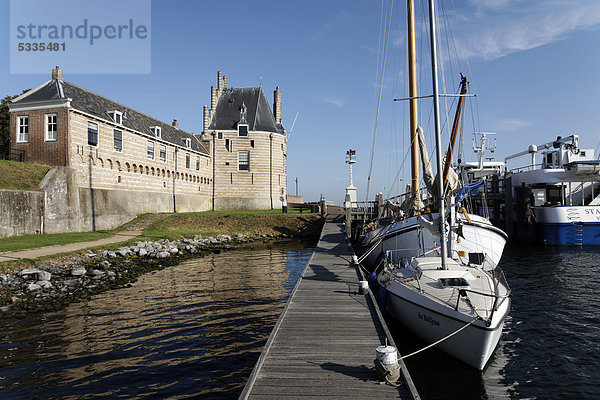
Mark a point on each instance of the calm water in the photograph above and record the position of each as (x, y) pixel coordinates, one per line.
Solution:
(190, 331)
(551, 345)
(196, 330)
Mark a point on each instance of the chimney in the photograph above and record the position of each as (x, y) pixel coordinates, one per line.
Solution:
(219, 83)
(206, 118)
(213, 97)
(224, 81)
(57, 73)
(175, 124)
(277, 105)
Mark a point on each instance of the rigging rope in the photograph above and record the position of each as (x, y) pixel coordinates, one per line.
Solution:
(387, 39)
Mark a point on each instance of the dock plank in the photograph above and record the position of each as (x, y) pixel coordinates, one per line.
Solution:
(323, 345)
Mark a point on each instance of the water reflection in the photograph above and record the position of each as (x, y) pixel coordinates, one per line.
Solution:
(190, 330)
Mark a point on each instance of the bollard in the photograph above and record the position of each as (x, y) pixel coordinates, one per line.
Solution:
(386, 364)
(363, 287)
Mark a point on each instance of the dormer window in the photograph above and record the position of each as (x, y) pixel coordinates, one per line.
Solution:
(157, 131)
(117, 116)
(242, 130)
(188, 143)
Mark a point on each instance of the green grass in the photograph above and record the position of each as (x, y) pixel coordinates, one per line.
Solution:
(17, 243)
(21, 176)
(213, 223)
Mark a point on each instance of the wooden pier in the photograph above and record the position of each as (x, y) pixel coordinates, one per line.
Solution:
(323, 345)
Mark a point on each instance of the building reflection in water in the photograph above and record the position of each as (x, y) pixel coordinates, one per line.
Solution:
(193, 329)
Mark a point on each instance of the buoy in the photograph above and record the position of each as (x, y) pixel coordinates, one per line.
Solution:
(363, 287)
(386, 364)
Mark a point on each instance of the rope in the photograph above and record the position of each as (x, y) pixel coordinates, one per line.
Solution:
(439, 341)
(362, 258)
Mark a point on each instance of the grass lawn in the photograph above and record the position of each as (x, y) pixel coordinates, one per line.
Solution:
(212, 223)
(21, 176)
(16, 243)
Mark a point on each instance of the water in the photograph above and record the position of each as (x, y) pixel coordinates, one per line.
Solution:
(190, 331)
(551, 345)
(196, 330)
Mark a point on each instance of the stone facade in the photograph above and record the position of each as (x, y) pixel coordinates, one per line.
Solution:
(128, 162)
(249, 147)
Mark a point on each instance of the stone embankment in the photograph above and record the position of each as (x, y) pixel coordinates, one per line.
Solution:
(57, 284)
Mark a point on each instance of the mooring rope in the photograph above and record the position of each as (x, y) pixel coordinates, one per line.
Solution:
(362, 258)
(439, 341)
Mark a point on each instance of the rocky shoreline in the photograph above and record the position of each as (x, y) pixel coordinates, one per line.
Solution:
(55, 284)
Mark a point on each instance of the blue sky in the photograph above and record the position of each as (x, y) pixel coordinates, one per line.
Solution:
(533, 66)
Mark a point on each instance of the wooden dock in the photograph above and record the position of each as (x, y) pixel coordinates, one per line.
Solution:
(323, 345)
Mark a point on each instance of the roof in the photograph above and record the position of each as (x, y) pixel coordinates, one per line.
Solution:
(259, 115)
(99, 106)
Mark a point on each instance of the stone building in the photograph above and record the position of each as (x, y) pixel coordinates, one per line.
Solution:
(123, 162)
(248, 146)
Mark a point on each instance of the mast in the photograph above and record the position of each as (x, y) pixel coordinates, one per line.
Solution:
(459, 107)
(438, 138)
(412, 75)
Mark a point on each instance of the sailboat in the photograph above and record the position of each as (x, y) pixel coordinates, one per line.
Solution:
(473, 238)
(458, 305)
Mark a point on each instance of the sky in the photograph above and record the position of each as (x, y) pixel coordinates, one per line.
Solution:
(533, 66)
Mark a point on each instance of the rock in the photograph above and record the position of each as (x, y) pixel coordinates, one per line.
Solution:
(71, 282)
(29, 273)
(112, 254)
(33, 286)
(142, 252)
(44, 284)
(78, 271)
(174, 250)
(44, 276)
(98, 273)
(123, 251)
(104, 264)
(6, 308)
(111, 274)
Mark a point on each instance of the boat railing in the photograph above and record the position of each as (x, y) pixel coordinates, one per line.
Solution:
(532, 167)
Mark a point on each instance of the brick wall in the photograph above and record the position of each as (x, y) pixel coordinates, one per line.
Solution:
(38, 149)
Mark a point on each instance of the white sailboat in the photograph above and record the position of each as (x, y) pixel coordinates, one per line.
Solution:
(459, 305)
(473, 238)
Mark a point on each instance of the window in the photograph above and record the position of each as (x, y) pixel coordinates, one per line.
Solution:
(117, 116)
(118, 140)
(51, 127)
(163, 152)
(23, 132)
(188, 143)
(187, 160)
(157, 131)
(244, 161)
(150, 150)
(219, 135)
(242, 130)
(92, 134)
(197, 163)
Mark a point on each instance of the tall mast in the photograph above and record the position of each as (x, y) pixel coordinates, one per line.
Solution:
(412, 76)
(438, 135)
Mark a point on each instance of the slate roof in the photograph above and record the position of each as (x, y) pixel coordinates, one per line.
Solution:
(99, 106)
(259, 114)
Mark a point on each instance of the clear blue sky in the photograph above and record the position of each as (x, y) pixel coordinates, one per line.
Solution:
(533, 65)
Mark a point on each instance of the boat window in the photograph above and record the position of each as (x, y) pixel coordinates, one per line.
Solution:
(453, 282)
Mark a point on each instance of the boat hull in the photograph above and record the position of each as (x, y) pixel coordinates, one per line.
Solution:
(568, 225)
(430, 321)
(404, 240)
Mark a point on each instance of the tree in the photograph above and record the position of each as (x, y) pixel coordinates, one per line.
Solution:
(5, 124)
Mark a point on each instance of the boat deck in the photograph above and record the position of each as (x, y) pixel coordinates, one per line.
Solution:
(323, 345)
